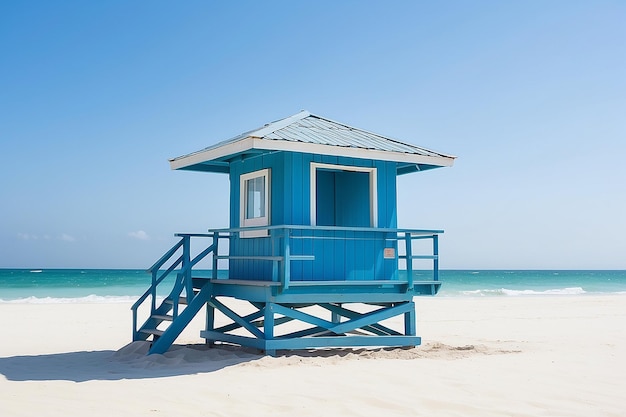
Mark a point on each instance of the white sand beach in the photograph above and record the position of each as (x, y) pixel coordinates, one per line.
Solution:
(500, 356)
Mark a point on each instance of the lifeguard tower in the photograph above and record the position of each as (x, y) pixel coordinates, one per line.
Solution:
(313, 242)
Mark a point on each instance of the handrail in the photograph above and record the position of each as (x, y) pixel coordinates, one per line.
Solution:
(193, 234)
(328, 228)
(158, 264)
(145, 295)
(183, 276)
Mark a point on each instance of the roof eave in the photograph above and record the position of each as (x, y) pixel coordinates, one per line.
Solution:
(248, 143)
(354, 152)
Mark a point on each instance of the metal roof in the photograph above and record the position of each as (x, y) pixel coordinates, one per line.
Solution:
(306, 132)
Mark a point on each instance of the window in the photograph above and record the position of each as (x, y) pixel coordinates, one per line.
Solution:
(254, 199)
(343, 195)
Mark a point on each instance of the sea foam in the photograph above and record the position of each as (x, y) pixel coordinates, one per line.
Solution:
(107, 299)
(509, 292)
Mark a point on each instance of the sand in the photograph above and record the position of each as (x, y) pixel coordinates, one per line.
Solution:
(500, 356)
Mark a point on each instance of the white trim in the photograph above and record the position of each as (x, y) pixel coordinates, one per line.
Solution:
(373, 177)
(249, 142)
(243, 197)
(279, 124)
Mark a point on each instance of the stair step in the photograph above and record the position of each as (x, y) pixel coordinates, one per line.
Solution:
(156, 332)
(181, 300)
(163, 317)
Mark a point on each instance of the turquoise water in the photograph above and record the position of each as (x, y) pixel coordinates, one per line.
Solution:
(117, 285)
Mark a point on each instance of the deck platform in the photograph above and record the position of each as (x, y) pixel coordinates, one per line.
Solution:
(290, 313)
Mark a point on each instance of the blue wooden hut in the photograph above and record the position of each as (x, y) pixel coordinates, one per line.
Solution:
(313, 239)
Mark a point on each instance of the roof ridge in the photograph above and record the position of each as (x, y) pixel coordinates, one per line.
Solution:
(277, 125)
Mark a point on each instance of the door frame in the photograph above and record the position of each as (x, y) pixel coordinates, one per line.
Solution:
(332, 167)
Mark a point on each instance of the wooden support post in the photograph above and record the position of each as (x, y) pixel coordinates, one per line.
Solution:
(135, 332)
(210, 322)
(268, 326)
(409, 321)
(335, 317)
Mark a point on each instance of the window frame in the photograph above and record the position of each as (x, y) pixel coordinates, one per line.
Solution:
(243, 203)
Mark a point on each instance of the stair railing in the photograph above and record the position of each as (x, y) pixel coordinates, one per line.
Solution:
(183, 278)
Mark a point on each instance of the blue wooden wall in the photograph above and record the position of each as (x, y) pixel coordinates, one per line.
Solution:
(356, 256)
(343, 198)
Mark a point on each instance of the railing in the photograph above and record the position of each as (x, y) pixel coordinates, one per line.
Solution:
(183, 277)
(283, 238)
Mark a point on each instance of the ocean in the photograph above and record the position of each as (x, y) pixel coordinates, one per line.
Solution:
(123, 285)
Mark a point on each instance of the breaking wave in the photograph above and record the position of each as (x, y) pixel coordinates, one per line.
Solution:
(509, 292)
(90, 299)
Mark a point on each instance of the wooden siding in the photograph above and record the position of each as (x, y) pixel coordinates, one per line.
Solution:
(351, 256)
(252, 269)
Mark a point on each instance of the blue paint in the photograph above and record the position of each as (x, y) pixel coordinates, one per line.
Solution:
(352, 199)
(325, 195)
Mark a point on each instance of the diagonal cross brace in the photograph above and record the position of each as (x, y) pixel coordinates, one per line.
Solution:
(299, 315)
(250, 318)
(371, 318)
(213, 302)
(358, 321)
(375, 328)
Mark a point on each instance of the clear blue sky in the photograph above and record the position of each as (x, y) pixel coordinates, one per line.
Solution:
(531, 96)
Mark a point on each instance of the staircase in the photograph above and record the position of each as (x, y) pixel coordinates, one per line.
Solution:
(169, 318)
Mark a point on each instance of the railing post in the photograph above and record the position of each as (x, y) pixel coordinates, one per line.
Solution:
(186, 268)
(273, 238)
(216, 239)
(409, 259)
(154, 290)
(286, 259)
(436, 257)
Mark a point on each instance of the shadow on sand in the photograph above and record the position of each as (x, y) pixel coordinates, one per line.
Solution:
(129, 362)
(132, 361)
